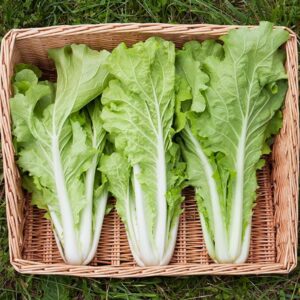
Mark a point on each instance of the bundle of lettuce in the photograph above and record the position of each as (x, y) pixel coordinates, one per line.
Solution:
(145, 173)
(142, 123)
(59, 139)
(229, 97)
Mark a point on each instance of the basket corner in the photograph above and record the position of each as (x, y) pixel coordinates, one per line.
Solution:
(16, 265)
(287, 268)
(10, 34)
(291, 267)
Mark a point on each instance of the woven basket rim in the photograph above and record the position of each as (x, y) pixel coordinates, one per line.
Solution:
(18, 31)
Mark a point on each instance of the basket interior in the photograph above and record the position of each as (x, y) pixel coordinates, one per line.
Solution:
(39, 243)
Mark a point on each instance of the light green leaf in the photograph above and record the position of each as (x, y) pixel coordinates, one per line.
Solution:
(138, 113)
(59, 147)
(223, 145)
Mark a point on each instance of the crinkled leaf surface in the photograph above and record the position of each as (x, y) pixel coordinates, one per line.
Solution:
(243, 86)
(53, 137)
(138, 114)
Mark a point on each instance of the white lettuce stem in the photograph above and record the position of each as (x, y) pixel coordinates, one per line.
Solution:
(236, 219)
(86, 218)
(207, 238)
(59, 246)
(57, 230)
(135, 253)
(220, 233)
(148, 254)
(161, 201)
(170, 244)
(245, 245)
(161, 221)
(132, 232)
(98, 219)
(70, 244)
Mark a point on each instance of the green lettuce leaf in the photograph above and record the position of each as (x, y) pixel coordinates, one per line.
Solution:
(232, 113)
(59, 145)
(138, 113)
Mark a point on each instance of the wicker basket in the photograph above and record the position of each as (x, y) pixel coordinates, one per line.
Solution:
(274, 233)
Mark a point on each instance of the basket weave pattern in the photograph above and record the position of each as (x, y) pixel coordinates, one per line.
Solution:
(274, 231)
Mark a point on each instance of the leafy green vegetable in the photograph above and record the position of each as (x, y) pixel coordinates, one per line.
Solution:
(59, 145)
(145, 174)
(226, 97)
(228, 105)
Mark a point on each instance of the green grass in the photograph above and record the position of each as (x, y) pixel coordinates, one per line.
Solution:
(30, 13)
